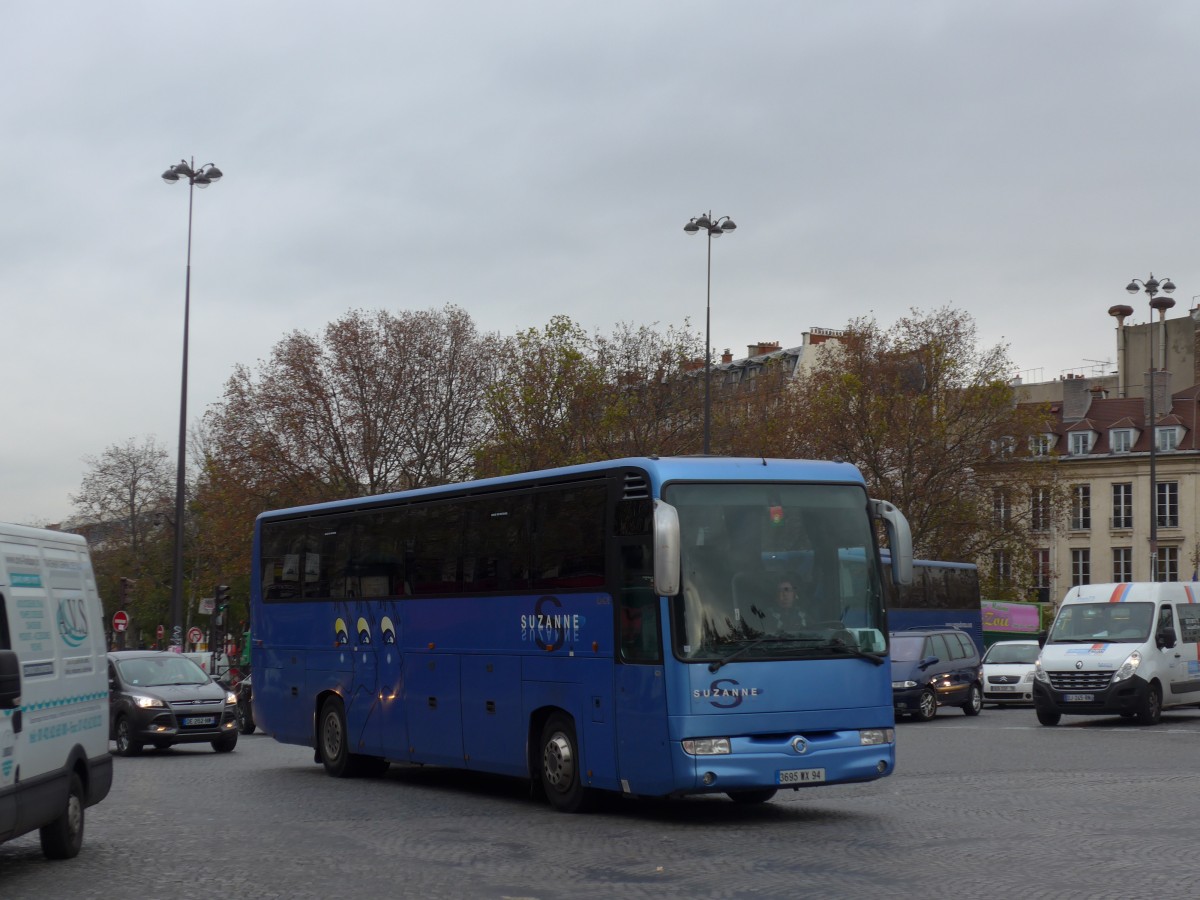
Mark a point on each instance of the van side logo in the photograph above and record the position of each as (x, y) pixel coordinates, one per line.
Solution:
(72, 621)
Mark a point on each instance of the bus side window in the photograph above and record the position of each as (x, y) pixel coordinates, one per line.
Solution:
(637, 616)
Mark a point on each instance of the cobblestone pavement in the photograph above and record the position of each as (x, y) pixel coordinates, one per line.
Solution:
(990, 807)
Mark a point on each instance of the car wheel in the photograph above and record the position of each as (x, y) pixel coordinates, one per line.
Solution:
(126, 745)
(1150, 712)
(225, 744)
(1048, 717)
(560, 766)
(63, 837)
(749, 798)
(244, 720)
(332, 739)
(974, 701)
(926, 707)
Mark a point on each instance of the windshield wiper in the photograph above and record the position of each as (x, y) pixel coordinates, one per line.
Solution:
(836, 644)
(745, 648)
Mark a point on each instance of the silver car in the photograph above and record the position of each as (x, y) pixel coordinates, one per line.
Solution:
(1008, 672)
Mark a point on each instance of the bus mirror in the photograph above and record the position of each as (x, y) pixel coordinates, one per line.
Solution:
(666, 549)
(899, 540)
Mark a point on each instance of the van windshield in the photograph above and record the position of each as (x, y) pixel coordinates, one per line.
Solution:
(1102, 622)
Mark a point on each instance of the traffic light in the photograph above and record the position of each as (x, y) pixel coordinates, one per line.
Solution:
(221, 602)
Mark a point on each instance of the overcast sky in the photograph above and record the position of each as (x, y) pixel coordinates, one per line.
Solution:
(1021, 160)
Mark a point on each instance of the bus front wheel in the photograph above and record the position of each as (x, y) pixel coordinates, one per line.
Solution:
(560, 766)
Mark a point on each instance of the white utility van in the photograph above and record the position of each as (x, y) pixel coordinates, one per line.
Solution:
(1131, 649)
(54, 759)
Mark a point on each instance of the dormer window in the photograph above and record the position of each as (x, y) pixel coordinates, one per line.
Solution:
(1121, 440)
(1168, 437)
(1081, 443)
(1040, 444)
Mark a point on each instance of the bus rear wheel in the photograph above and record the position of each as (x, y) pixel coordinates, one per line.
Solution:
(560, 766)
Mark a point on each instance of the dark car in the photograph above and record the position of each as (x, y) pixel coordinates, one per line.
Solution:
(162, 698)
(245, 706)
(934, 667)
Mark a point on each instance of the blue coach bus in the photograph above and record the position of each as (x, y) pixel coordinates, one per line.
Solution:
(941, 595)
(603, 627)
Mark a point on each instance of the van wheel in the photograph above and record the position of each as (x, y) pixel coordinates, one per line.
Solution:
(1047, 717)
(1150, 712)
(927, 707)
(126, 745)
(974, 701)
(560, 766)
(63, 837)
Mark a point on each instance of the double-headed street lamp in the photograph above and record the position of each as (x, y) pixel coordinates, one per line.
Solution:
(202, 178)
(1152, 286)
(715, 228)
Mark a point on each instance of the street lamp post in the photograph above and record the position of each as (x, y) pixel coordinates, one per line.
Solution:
(1152, 286)
(715, 228)
(202, 178)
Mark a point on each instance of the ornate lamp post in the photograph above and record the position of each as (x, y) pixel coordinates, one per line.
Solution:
(202, 178)
(715, 228)
(1152, 286)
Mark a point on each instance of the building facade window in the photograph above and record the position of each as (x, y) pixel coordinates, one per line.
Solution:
(1000, 507)
(1039, 509)
(1081, 507)
(1122, 505)
(1167, 564)
(1121, 440)
(1041, 574)
(1167, 506)
(1081, 443)
(1040, 444)
(1081, 567)
(1122, 564)
(1001, 566)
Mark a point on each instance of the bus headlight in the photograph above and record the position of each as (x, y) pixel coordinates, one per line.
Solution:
(706, 746)
(869, 737)
(1132, 661)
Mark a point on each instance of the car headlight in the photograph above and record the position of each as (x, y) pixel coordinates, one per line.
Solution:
(1132, 661)
(901, 685)
(706, 746)
(1039, 673)
(1028, 676)
(145, 702)
(230, 697)
(869, 737)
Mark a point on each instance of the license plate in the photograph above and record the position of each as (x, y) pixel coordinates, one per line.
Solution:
(1004, 687)
(199, 720)
(801, 776)
(1079, 698)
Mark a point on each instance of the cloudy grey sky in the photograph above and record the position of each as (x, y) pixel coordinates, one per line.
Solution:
(1021, 160)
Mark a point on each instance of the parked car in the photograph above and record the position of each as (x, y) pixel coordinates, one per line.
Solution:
(1008, 672)
(162, 698)
(934, 667)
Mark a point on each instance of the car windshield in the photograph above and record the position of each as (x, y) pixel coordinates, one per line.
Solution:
(1102, 622)
(1019, 654)
(170, 668)
(776, 571)
(907, 647)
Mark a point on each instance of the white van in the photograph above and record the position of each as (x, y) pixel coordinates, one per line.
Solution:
(54, 759)
(1131, 649)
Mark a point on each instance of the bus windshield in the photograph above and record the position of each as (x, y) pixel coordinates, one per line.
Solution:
(1102, 622)
(776, 571)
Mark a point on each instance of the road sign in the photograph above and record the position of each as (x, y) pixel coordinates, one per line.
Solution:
(160, 631)
(120, 620)
(195, 634)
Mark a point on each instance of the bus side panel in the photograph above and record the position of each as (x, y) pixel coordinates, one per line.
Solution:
(433, 707)
(282, 708)
(493, 726)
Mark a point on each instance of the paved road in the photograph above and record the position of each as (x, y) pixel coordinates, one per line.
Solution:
(991, 807)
